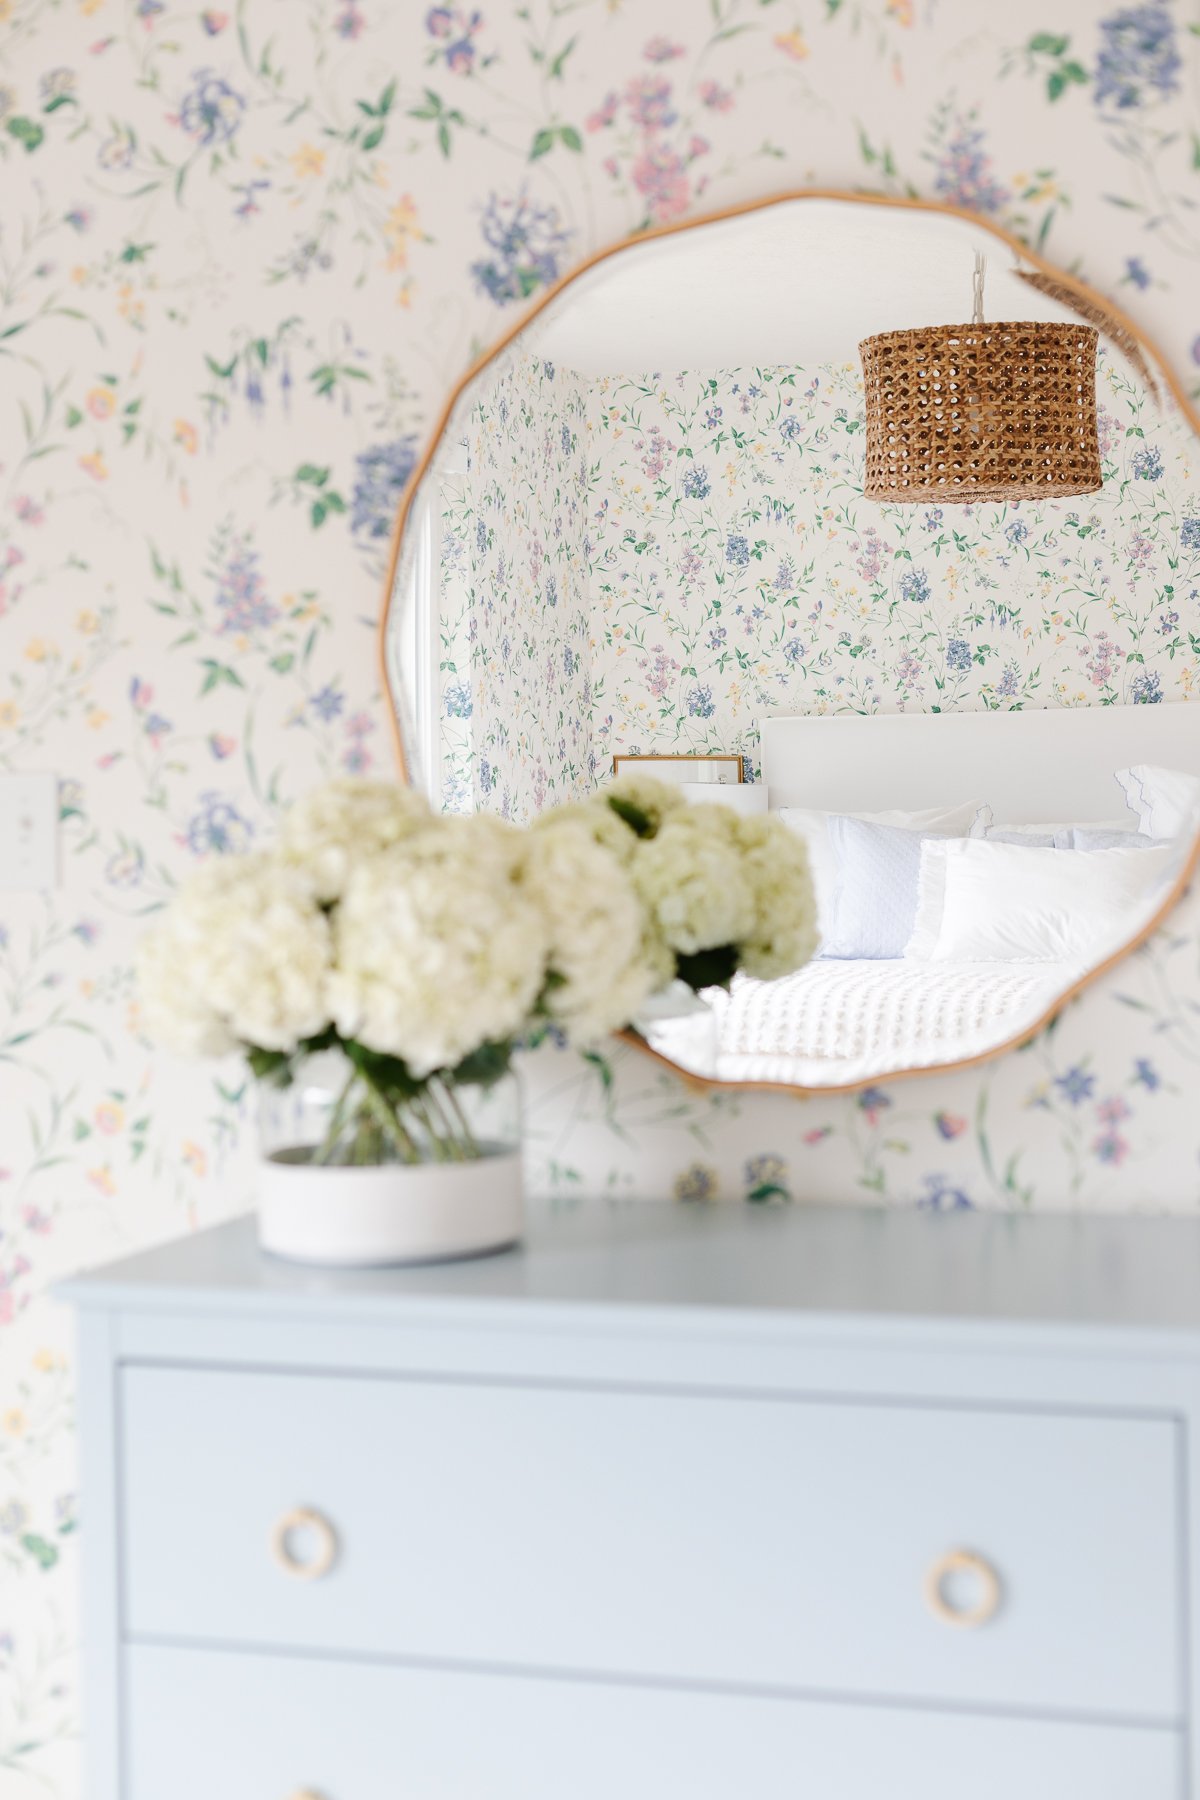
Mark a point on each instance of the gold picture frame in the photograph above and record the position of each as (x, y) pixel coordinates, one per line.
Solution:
(686, 767)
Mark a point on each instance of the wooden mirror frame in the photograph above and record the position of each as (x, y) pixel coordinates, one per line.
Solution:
(1094, 306)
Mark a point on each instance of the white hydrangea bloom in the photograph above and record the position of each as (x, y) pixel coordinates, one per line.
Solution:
(598, 943)
(691, 879)
(657, 799)
(599, 820)
(343, 821)
(241, 956)
(784, 935)
(440, 947)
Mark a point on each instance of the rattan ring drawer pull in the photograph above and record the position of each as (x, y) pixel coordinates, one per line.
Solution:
(963, 1562)
(303, 1518)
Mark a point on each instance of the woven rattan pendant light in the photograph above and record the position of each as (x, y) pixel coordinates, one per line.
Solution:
(981, 412)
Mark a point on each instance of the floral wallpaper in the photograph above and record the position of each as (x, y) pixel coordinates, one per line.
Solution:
(724, 565)
(522, 529)
(243, 253)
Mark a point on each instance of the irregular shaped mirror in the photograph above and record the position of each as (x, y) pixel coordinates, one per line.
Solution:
(641, 536)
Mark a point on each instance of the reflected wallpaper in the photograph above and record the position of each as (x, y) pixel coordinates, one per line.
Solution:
(654, 563)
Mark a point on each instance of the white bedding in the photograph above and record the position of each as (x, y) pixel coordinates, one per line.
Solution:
(839, 1021)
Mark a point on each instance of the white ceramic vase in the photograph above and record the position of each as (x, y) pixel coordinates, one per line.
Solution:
(388, 1212)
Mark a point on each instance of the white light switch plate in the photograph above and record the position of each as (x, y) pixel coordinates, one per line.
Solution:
(28, 832)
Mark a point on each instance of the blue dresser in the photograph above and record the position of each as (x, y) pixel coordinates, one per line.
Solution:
(674, 1503)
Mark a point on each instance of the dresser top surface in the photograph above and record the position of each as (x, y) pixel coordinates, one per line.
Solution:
(668, 1258)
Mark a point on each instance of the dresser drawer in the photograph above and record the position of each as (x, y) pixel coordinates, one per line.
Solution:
(268, 1728)
(769, 1542)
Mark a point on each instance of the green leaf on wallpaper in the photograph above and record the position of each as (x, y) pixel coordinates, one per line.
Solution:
(570, 137)
(26, 132)
(218, 675)
(374, 138)
(555, 71)
(44, 1555)
(1195, 150)
(1045, 43)
(135, 253)
(310, 473)
(543, 143)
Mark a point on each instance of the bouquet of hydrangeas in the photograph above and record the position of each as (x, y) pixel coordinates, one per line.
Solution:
(426, 948)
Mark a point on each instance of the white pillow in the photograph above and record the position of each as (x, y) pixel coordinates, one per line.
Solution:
(988, 902)
(972, 816)
(1164, 801)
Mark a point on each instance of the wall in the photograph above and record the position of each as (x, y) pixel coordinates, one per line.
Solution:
(242, 256)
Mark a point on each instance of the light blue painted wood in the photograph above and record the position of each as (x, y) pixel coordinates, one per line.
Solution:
(784, 1263)
(730, 1540)
(1034, 1383)
(249, 1728)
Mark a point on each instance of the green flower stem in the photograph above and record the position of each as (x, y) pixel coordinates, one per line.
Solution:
(337, 1121)
(454, 1106)
(389, 1117)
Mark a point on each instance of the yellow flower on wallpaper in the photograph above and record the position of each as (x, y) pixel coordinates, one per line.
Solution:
(15, 1423)
(309, 159)
(10, 715)
(88, 622)
(793, 44)
(37, 650)
(186, 436)
(400, 230)
(101, 402)
(903, 11)
(45, 1360)
(95, 465)
(109, 1117)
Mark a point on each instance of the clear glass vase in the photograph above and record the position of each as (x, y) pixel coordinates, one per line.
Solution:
(335, 1114)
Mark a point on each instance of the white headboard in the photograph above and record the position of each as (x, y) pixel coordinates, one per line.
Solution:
(1031, 766)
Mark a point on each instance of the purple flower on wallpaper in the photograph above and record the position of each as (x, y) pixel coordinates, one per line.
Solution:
(1147, 463)
(1146, 1075)
(700, 702)
(933, 519)
(1137, 272)
(737, 551)
(1111, 1148)
(785, 576)
(661, 50)
(328, 702)
(661, 673)
(218, 828)
(453, 30)
(790, 428)
(240, 596)
(1016, 531)
(211, 111)
(958, 655)
(481, 538)
(1077, 1085)
(1146, 688)
(873, 1101)
(566, 440)
(526, 245)
(914, 587)
(1168, 622)
(457, 700)
(794, 650)
(551, 591)
(942, 1196)
(963, 171)
(1009, 683)
(1139, 58)
(695, 484)
(648, 98)
(381, 476)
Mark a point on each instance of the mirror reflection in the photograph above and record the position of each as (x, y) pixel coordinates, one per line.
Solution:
(642, 541)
